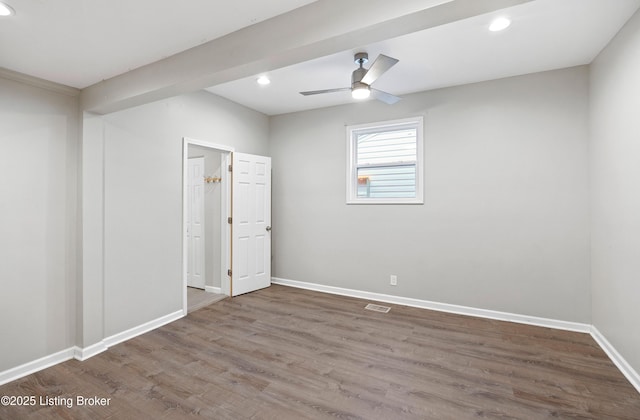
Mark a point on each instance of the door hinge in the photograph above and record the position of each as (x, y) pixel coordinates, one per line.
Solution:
(230, 168)
(229, 220)
(229, 272)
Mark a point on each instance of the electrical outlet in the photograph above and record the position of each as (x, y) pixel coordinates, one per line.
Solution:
(393, 280)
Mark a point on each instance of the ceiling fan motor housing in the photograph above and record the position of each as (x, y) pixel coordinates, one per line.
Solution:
(361, 58)
(357, 76)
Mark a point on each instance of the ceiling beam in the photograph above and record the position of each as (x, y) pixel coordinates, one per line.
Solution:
(315, 30)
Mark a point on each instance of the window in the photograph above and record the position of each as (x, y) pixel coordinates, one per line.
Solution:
(385, 162)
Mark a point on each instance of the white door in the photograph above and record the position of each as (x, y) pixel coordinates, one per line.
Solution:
(251, 223)
(195, 223)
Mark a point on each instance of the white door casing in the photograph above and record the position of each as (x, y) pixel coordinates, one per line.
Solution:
(251, 223)
(225, 212)
(195, 223)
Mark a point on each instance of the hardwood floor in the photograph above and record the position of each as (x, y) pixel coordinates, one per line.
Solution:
(198, 299)
(284, 353)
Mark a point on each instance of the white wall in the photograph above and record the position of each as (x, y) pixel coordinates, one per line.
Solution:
(76, 268)
(505, 220)
(38, 164)
(143, 197)
(90, 284)
(615, 200)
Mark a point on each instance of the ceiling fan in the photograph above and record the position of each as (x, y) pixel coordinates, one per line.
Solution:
(361, 79)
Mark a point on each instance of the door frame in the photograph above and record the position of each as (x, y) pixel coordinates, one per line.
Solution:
(225, 206)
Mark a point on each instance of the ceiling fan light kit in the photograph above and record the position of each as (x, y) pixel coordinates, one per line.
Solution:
(360, 91)
(361, 79)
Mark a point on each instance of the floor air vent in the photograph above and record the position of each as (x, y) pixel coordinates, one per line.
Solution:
(377, 308)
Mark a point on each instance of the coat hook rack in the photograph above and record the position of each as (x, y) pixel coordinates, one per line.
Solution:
(211, 179)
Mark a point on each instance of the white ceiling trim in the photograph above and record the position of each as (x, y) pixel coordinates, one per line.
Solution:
(37, 82)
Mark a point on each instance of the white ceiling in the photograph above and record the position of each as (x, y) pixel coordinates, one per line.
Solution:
(544, 35)
(81, 42)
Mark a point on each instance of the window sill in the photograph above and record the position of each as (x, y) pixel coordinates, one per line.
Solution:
(385, 201)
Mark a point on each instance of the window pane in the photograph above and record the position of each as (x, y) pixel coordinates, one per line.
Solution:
(387, 182)
(395, 146)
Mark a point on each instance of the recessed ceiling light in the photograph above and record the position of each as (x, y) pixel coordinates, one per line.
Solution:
(263, 80)
(6, 10)
(499, 24)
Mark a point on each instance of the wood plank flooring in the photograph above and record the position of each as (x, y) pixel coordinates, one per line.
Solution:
(285, 353)
(198, 299)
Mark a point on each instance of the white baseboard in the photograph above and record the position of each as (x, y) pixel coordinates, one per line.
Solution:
(36, 365)
(141, 329)
(607, 347)
(83, 353)
(212, 289)
(626, 369)
(437, 306)
(87, 352)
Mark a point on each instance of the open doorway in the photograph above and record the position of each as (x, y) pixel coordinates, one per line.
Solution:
(206, 233)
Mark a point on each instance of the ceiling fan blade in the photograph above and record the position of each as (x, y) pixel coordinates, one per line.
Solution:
(316, 92)
(378, 68)
(385, 97)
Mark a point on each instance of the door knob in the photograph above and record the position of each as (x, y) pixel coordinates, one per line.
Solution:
(268, 228)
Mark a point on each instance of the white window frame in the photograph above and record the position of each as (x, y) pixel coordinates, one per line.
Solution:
(352, 179)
